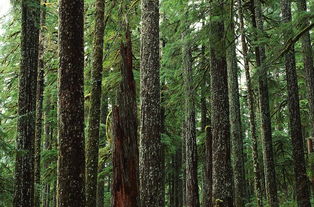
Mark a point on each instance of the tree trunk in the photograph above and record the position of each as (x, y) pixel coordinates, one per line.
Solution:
(125, 191)
(92, 148)
(207, 185)
(301, 180)
(71, 177)
(235, 114)
(309, 68)
(268, 157)
(192, 199)
(222, 170)
(101, 166)
(151, 164)
(47, 146)
(24, 165)
(183, 154)
(39, 105)
(256, 165)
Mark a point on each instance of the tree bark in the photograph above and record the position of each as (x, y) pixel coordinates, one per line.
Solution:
(192, 193)
(150, 144)
(94, 113)
(268, 157)
(222, 170)
(101, 166)
(235, 114)
(301, 180)
(252, 116)
(125, 192)
(39, 105)
(24, 165)
(71, 177)
(309, 68)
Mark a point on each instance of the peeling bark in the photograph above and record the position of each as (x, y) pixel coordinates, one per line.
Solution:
(125, 189)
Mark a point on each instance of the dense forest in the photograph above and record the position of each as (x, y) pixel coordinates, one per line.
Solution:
(157, 103)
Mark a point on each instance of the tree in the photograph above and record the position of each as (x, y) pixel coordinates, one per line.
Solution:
(268, 157)
(24, 165)
(94, 113)
(301, 180)
(235, 113)
(125, 189)
(39, 105)
(191, 194)
(71, 160)
(151, 165)
(222, 170)
(256, 165)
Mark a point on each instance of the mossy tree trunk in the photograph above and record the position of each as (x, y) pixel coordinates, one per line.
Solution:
(268, 157)
(92, 147)
(24, 165)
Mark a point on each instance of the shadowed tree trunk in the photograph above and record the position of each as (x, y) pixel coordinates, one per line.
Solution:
(94, 113)
(235, 113)
(309, 68)
(192, 199)
(151, 163)
(125, 191)
(24, 165)
(222, 170)
(71, 176)
(101, 166)
(268, 157)
(39, 105)
(256, 165)
(301, 180)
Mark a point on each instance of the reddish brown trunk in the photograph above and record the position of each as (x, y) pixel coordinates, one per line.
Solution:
(125, 150)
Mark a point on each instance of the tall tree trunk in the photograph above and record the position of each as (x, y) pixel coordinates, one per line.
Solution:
(192, 199)
(256, 165)
(309, 68)
(47, 146)
(92, 148)
(125, 191)
(24, 165)
(268, 157)
(183, 154)
(151, 164)
(207, 185)
(301, 180)
(101, 166)
(222, 170)
(235, 114)
(39, 105)
(71, 177)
